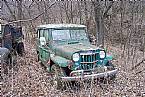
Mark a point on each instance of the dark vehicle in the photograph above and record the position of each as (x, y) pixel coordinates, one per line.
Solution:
(11, 38)
(5, 59)
(10, 43)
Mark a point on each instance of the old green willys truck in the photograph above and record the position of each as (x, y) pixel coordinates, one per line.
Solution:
(65, 50)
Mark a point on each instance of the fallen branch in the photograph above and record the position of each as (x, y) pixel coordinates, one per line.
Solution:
(107, 10)
(140, 71)
(143, 61)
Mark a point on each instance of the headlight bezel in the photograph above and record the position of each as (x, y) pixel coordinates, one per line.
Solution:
(102, 54)
(76, 57)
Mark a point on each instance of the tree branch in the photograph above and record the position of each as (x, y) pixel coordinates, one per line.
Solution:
(107, 10)
(14, 17)
(138, 64)
(32, 18)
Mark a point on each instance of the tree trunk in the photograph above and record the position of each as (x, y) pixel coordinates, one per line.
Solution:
(99, 24)
(99, 19)
(19, 2)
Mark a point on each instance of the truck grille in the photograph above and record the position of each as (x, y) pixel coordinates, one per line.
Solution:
(88, 61)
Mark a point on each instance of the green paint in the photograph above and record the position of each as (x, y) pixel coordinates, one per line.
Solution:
(62, 44)
(62, 62)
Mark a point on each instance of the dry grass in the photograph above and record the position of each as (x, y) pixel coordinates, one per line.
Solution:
(29, 79)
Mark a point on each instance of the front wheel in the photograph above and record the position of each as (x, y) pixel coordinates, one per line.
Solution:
(57, 73)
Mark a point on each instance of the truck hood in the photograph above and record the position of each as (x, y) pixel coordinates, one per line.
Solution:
(67, 50)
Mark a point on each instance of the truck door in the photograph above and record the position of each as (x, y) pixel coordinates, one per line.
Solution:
(40, 48)
(43, 50)
(46, 50)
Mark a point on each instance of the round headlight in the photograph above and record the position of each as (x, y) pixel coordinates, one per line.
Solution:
(76, 57)
(102, 54)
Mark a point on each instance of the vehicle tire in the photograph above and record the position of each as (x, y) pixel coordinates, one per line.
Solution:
(112, 78)
(5, 68)
(57, 73)
(69, 84)
(20, 48)
(9, 61)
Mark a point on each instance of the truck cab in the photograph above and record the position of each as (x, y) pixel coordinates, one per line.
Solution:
(65, 49)
(10, 41)
(12, 38)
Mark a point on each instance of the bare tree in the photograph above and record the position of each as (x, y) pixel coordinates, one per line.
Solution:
(11, 12)
(19, 4)
(99, 18)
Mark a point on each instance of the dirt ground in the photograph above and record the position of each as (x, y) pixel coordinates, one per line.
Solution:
(28, 78)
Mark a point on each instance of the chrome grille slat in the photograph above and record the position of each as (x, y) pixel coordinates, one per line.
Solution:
(88, 60)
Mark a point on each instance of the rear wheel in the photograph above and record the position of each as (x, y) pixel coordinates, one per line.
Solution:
(5, 68)
(9, 61)
(20, 48)
(8, 64)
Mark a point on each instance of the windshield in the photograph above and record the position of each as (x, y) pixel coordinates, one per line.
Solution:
(65, 34)
(60, 34)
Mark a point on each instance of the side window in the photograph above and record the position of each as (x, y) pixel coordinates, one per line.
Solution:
(38, 34)
(41, 33)
(46, 34)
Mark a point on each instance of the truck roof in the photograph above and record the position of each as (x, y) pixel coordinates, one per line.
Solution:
(61, 26)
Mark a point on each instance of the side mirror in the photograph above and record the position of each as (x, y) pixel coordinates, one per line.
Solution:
(42, 41)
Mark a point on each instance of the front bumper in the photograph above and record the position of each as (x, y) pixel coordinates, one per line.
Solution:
(82, 76)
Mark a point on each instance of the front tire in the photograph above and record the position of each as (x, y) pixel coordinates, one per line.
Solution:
(57, 73)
